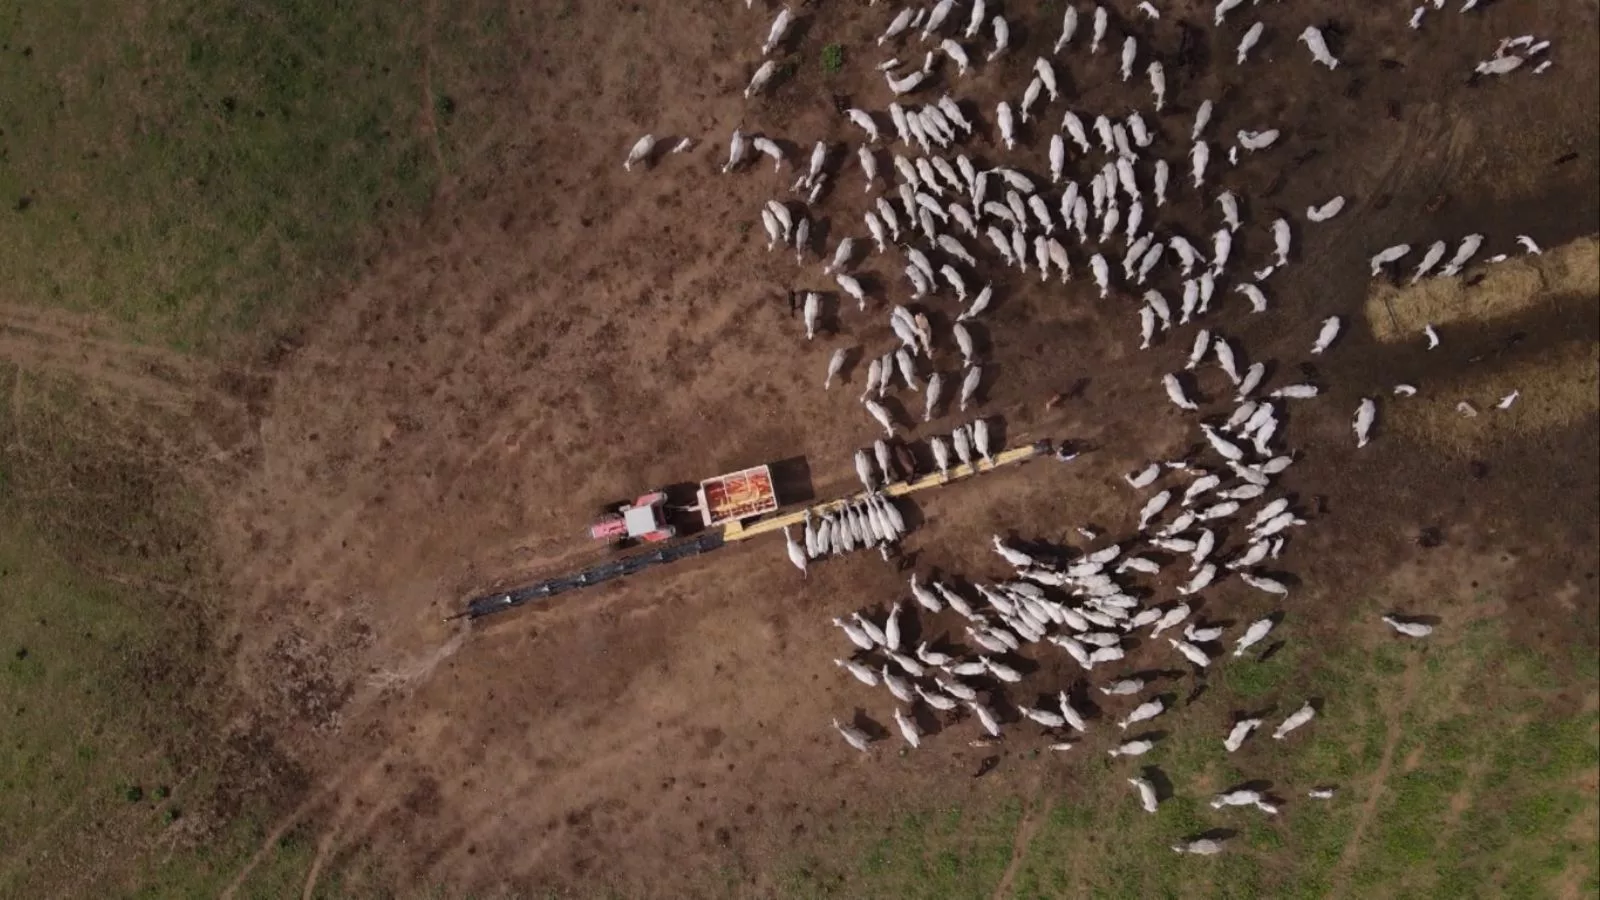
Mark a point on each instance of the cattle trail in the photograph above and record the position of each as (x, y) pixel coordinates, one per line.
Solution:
(1033, 816)
(1369, 808)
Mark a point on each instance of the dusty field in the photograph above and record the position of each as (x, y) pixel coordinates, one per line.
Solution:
(560, 334)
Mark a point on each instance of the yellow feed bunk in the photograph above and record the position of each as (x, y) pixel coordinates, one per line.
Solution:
(738, 531)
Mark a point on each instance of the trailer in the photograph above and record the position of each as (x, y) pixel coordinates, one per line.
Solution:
(737, 496)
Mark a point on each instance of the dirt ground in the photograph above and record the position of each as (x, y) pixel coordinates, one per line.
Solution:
(561, 334)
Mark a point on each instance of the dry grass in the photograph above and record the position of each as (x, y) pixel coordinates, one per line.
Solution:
(1559, 385)
(1559, 388)
(1507, 289)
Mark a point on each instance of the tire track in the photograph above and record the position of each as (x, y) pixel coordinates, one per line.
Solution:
(38, 340)
(1352, 848)
(430, 123)
(349, 800)
(1032, 817)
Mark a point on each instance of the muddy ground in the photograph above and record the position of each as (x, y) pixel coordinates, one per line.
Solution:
(561, 334)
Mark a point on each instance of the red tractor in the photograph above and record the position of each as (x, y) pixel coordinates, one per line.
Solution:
(641, 521)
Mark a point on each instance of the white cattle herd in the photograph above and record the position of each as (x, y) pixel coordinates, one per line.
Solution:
(1210, 518)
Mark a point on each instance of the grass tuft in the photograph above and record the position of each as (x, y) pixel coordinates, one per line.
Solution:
(832, 59)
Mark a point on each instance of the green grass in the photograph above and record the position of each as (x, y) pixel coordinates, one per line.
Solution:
(64, 682)
(935, 854)
(208, 870)
(112, 779)
(832, 59)
(99, 764)
(1482, 797)
(190, 173)
(193, 169)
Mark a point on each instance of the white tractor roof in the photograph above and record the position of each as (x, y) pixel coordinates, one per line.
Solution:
(641, 520)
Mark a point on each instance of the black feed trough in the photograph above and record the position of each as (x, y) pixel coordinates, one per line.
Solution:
(500, 601)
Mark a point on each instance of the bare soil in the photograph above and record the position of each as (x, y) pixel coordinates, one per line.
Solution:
(560, 334)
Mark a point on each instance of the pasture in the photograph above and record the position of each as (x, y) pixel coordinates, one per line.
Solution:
(320, 318)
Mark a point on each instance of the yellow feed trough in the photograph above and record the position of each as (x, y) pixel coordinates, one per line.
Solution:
(738, 531)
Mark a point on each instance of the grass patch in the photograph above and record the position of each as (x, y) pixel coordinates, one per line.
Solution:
(832, 59)
(207, 871)
(1558, 385)
(934, 854)
(112, 779)
(99, 757)
(192, 173)
(1509, 288)
(193, 169)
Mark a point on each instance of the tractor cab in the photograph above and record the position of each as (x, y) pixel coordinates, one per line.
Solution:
(641, 521)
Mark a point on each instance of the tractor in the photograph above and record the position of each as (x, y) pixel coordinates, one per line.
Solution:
(642, 520)
(723, 501)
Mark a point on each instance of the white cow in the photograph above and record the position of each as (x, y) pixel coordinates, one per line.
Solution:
(759, 80)
(1248, 42)
(1312, 38)
(1176, 394)
(1327, 335)
(1158, 84)
(1326, 211)
(1199, 155)
(1365, 414)
(1008, 134)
